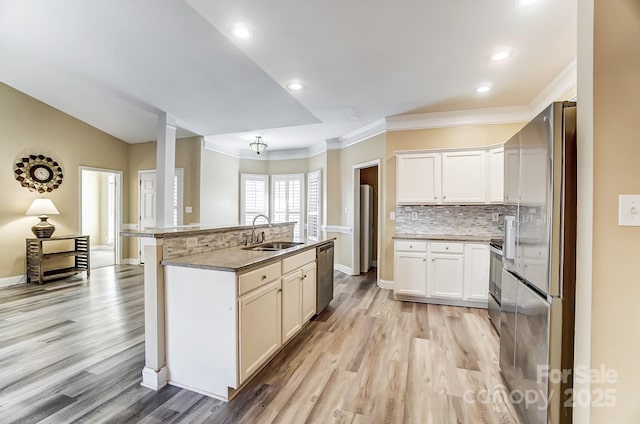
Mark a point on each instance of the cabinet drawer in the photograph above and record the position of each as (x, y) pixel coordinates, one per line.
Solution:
(411, 246)
(296, 261)
(437, 247)
(256, 278)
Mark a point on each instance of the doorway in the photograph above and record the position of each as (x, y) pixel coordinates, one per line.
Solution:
(100, 212)
(366, 217)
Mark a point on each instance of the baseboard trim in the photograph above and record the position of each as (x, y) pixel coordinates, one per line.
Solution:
(449, 302)
(385, 284)
(12, 281)
(343, 269)
(130, 261)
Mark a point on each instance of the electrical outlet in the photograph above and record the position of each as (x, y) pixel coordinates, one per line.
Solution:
(392, 216)
(414, 215)
(495, 216)
(188, 209)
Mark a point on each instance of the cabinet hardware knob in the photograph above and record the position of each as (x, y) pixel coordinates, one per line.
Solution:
(424, 259)
(435, 197)
(444, 197)
(279, 290)
(433, 260)
(304, 276)
(264, 277)
(411, 246)
(447, 248)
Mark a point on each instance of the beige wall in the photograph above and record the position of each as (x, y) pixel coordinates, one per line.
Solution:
(219, 189)
(29, 126)
(615, 334)
(340, 189)
(435, 138)
(142, 156)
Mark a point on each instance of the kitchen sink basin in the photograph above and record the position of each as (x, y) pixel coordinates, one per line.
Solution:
(273, 247)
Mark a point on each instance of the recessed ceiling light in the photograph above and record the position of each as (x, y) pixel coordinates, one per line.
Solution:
(241, 31)
(525, 2)
(501, 55)
(295, 86)
(483, 89)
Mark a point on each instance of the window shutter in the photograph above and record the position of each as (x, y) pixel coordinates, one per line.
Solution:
(253, 197)
(287, 200)
(313, 205)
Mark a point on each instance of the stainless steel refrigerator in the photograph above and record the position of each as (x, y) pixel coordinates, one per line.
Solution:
(538, 284)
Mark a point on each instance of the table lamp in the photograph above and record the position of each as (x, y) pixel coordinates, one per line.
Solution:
(42, 208)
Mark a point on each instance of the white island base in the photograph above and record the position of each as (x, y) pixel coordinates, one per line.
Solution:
(222, 327)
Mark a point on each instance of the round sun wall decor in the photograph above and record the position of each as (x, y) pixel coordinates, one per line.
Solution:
(38, 173)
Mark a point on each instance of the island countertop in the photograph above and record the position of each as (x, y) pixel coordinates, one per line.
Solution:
(485, 238)
(189, 230)
(239, 259)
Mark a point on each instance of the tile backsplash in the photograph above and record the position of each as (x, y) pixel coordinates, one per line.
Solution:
(452, 220)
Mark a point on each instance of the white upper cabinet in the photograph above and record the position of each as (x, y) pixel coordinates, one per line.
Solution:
(464, 177)
(418, 178)
(496, 175)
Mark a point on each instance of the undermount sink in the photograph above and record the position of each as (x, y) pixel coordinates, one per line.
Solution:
(273, 247)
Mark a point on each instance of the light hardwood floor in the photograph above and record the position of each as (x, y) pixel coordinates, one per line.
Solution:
(72, 351)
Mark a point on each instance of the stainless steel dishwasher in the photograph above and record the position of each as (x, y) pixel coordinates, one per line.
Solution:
(324, 276)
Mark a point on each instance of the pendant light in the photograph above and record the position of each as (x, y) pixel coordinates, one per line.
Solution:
(258, 146)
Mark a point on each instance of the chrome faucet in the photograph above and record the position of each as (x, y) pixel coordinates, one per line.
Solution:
(253, 227)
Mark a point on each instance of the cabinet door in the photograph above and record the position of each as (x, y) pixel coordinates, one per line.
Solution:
(418, 178)
(410, 273)
(308, 292)
(463, 177)
(291, 304)
(446, 276)
(476, 271)
(496, 175)
(511, 170)
(260, 327)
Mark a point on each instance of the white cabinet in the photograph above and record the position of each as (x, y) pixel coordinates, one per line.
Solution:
(496, 175)
(291, 304)
(511, 175)
(260, 315)
(463, 177)
(446, 275)
(308, 291)
(298, 293)
(455, 273)
(410, 268)
(418, 178)
(476, 271)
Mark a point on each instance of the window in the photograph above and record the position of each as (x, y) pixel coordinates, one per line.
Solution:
(254, 195)
(288, 201)
(313, 205)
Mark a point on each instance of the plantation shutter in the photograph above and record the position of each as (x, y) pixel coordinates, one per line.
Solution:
(313, 205)
(254, 197)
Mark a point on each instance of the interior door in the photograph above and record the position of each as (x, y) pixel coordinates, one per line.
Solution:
(146, 208)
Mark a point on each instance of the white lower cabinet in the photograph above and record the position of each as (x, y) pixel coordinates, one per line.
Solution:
(476, 271)
(410, 268)
(446, 276)
(308, 291)
(291, 304)
(260, 327)
(442, 272)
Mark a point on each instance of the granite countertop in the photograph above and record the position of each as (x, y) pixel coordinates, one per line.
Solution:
(186, 230)
(446, 237)
(237, 259)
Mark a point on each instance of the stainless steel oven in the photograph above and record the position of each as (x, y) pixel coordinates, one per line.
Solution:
(495, 283)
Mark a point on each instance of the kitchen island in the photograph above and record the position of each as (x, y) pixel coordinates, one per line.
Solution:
(215, 311)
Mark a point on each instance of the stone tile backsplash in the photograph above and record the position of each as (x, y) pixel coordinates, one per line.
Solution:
(452, 220)
(188, 245)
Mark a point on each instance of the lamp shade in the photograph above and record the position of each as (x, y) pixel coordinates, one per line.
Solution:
(42, 206)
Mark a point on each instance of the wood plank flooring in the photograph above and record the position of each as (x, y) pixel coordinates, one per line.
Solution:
(73, 350)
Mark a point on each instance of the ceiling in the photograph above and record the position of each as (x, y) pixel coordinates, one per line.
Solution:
(116, 64)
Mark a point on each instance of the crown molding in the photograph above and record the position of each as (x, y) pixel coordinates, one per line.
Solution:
(486, 116)
(562, 83)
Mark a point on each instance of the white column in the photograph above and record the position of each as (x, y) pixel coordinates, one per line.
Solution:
(154, 374)
(165, 169)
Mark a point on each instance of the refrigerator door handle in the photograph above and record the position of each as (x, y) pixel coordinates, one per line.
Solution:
(509, 237)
